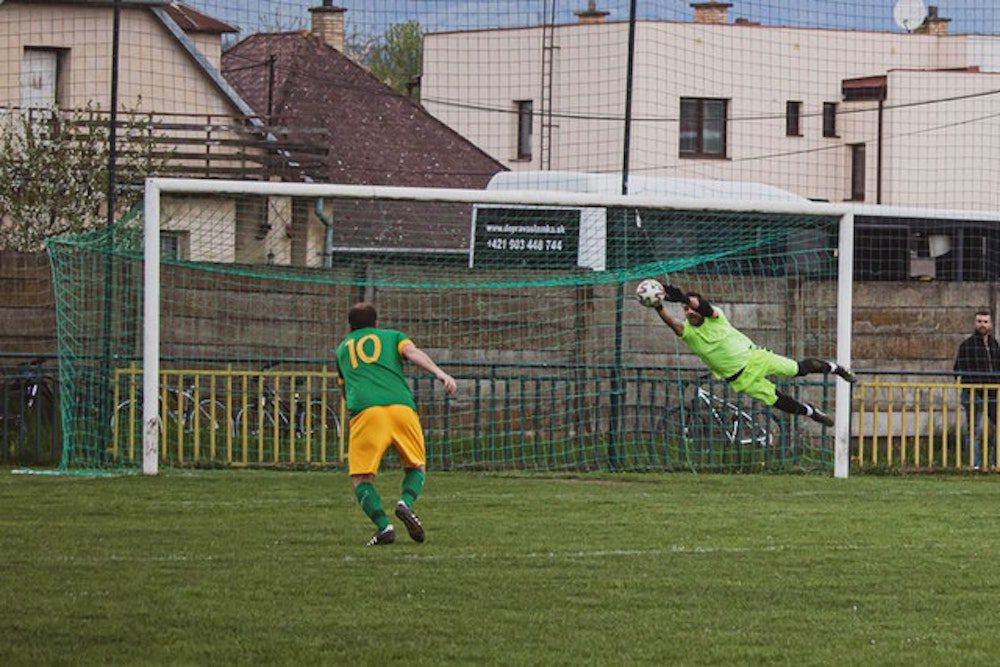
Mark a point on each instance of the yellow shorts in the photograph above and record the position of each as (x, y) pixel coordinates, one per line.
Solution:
(375, 429)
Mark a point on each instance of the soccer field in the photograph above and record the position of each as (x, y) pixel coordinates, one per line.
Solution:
(269, 568)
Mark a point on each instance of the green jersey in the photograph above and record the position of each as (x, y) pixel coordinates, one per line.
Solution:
(724, 348)
(371, 367)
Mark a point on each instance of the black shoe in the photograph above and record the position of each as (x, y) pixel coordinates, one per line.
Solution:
(821, 417)
(850, 377)
(385, 536)
(410, 520)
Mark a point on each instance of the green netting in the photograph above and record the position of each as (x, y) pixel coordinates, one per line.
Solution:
(559, 367)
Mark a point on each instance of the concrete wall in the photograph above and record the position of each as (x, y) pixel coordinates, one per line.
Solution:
(911, 326)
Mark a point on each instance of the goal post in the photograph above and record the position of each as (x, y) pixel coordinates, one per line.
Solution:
(151, 328)
(519, 206)
(228, 298)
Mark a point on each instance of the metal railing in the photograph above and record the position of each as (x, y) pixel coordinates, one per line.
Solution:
(505, 416)
(513, 416)
(232, 417)
(913, 421)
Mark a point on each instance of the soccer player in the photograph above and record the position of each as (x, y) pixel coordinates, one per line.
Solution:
(733, 357)
(383, 414)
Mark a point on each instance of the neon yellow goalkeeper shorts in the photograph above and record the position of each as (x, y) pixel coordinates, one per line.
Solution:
(375, 429)
(753, 381)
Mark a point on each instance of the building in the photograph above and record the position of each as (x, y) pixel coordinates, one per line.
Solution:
(303, 79)
(58, 58)
(905, 119)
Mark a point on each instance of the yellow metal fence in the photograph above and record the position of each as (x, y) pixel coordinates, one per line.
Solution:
(268, 417)
(922, 425)
(233, 417)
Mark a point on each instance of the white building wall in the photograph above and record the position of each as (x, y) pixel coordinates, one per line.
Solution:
(984, 51)
(948, 158)
(208, 222)
(757, 68)
(153, 67)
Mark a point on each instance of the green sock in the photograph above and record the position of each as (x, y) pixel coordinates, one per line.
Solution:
(413, 484)
(371, 504)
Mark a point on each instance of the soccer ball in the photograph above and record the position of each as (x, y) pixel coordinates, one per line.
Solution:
(649, 292)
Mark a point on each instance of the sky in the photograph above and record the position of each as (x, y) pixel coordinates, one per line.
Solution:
(372, 17)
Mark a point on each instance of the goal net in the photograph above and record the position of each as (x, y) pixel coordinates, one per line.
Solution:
(217, 307)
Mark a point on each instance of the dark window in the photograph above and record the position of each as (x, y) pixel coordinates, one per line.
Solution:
(857, 172)
(173, 245)
(793, 115)
(703, 127)
(525, 118)
(829, 119)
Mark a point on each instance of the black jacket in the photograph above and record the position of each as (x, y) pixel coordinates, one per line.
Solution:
(975, 357)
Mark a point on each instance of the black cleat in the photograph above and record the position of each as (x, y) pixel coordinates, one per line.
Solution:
(848, 376)
(821, 417)
(385, 536)
(410, 520)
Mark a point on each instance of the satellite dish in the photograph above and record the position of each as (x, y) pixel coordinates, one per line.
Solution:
(909, 14)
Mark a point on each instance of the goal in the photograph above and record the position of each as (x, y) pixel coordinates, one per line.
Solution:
(225, 300)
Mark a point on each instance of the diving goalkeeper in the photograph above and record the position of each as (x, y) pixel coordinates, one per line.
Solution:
(733, 357)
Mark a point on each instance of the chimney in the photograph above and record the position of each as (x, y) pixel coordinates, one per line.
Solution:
(933, 24)
(716, 13)
(328, 24)
(591, 14)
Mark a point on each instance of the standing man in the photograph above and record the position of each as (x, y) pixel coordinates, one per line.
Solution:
(733, 357)
(978, 360)
(383, 414)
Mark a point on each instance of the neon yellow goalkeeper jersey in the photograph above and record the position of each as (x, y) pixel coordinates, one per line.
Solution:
(724, 348)
(371, 367)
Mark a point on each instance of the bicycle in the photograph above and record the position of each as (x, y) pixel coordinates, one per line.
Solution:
(717, 431)
(269, 413)
(184, 417)
(28, 413)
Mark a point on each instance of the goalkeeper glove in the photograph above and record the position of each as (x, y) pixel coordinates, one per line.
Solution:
(674, 293)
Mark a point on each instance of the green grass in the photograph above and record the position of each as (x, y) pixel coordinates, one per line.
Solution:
(267, 567)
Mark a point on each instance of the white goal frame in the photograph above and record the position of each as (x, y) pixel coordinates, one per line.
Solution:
(155, 187)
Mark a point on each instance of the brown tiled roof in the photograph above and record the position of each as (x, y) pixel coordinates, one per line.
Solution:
(191, 20)
(377, 136)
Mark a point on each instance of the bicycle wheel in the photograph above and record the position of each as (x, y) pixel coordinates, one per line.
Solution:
(126, 429)
(211, 417)
(318, 425)
(256, 422)
(703, 435)
(258, 439)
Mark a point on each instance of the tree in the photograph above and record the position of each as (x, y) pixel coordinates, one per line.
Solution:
(397, 59)
(54, 173)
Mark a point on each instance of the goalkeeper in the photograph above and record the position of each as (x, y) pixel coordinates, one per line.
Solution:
(733, 357)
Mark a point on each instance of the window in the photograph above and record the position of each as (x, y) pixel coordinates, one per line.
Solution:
(857, 172)
(829, 119)
(793, 114)
(173, 245)
(525, 118)
(40, 77)
(703, 127)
